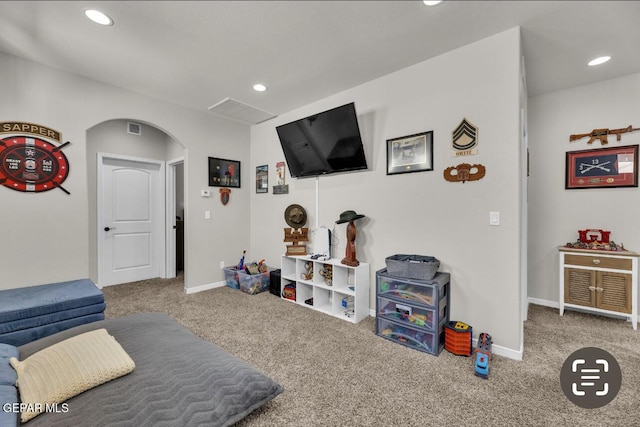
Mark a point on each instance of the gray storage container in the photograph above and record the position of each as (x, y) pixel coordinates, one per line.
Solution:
(412, 266)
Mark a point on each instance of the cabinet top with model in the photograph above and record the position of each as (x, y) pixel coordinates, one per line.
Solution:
(599, 252)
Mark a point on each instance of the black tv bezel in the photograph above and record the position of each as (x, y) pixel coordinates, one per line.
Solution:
(335, 171)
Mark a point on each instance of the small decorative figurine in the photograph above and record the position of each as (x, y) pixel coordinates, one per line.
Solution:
(327, 273)
(308, 266)
(350, 252)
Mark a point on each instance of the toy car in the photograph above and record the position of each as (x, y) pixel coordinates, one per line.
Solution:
(483, 355)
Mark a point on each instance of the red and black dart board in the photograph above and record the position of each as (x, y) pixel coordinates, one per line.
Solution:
(30, 164)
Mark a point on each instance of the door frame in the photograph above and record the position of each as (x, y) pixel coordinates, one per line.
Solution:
(170, 215)
(100, 220)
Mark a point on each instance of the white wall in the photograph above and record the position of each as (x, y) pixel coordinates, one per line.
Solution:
(45, 236)
(422, 213)
(556, 214)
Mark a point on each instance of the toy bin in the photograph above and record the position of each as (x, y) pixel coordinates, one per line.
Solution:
(412, 266)
(254, 283)
(458, 338)
(231, 277)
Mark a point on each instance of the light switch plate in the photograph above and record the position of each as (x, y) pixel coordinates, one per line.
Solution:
(205, 193)
(494, 218)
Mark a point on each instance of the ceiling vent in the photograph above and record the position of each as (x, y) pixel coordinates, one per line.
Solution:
(134, 128)
(238, 111)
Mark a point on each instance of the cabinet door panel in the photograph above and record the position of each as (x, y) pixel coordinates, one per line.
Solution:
(613, 291)
(576, 287)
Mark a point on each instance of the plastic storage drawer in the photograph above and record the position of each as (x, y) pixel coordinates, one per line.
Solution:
(399, 311)
(413, 337)
(425, 292)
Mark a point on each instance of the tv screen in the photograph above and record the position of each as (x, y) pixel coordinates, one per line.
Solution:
(324, 143)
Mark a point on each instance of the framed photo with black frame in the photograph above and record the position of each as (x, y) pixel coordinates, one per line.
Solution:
(262, 179)
(602, 168)
(224, 173)
(412, 153)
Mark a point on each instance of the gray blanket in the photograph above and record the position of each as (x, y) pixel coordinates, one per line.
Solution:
(179, 380)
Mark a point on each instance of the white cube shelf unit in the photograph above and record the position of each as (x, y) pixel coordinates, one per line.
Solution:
(346, 298)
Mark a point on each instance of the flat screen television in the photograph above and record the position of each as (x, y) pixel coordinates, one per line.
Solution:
(323, 143)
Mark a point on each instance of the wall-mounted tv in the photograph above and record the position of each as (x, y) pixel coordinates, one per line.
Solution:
(324, 143)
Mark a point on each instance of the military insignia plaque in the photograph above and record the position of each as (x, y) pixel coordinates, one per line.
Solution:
(30, 163)
(464, 139)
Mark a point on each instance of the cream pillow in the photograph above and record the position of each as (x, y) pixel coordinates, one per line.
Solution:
(68, 368)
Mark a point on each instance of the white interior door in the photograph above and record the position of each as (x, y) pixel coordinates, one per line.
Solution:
(130, 219)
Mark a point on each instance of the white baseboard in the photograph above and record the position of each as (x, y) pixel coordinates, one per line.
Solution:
(495, 349)
(204, 287)
(503, 351)
(544, 302)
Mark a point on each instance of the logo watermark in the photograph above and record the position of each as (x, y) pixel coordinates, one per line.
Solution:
(591, 377)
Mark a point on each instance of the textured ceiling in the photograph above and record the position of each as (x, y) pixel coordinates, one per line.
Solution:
(198, 53)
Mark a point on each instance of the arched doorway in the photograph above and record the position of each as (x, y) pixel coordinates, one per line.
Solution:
(147, 144)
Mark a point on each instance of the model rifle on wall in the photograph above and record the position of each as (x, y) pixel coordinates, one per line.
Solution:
(601, 134)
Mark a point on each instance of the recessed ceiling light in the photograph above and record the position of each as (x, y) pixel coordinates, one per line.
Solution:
(259, 87)
(598, 61)
(432, 3)
(98, 17)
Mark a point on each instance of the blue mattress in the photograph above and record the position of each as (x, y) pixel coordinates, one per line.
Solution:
(34, 301)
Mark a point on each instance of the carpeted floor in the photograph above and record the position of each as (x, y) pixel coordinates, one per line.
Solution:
(339, 374)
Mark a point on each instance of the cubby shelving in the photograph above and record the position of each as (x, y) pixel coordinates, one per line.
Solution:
(346, 296)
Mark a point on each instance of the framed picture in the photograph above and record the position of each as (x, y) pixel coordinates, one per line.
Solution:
(262, 179)
(224, 173)
(602, 168)
(413, 153)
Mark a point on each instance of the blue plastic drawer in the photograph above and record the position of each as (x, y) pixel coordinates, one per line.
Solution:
(425, 292)
(417, 338)
(410, 314)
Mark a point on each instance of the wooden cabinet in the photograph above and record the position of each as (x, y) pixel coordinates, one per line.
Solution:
(598, 281)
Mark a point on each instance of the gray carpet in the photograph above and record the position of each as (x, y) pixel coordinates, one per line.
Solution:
(340, 374)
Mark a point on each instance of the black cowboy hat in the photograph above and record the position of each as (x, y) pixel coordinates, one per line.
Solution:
(347, 216)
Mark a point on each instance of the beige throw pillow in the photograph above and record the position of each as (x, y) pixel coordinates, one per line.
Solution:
(68, 368)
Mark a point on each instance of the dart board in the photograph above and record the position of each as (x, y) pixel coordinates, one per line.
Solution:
(30, 164)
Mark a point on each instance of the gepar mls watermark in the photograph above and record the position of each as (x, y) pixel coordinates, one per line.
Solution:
(591, 377)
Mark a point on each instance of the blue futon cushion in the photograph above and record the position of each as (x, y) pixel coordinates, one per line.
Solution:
(8, 398)
(32, 301)
(8, 375)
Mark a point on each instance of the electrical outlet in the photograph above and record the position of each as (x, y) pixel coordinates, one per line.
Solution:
(221, 265)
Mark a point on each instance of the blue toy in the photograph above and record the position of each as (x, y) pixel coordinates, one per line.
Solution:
(240, 265)
(483, 355)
